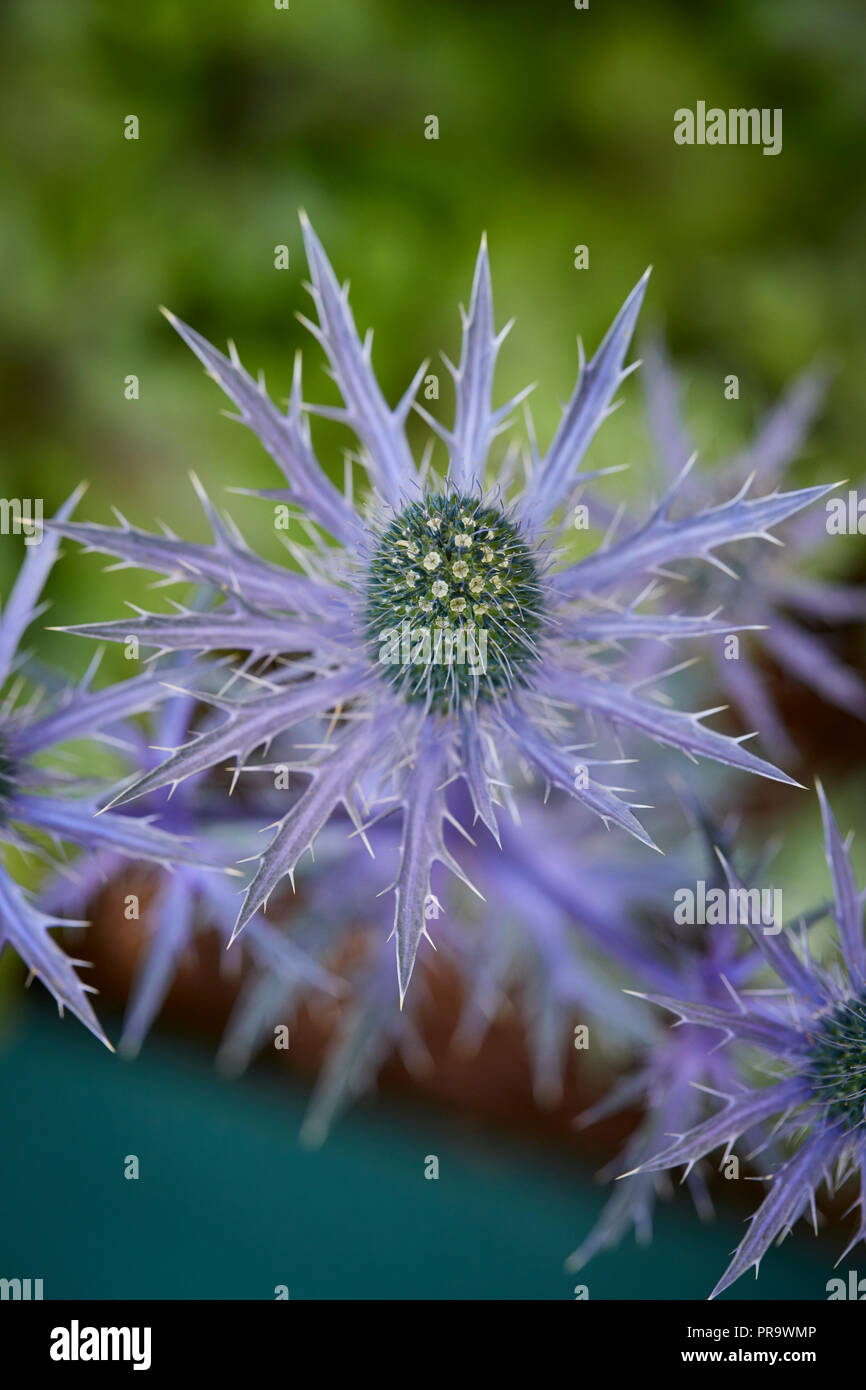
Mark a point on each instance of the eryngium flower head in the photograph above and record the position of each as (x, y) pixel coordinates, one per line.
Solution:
(816, 1041)
(771, 590)
(682, 1069)
(471, 556)
(35, 804)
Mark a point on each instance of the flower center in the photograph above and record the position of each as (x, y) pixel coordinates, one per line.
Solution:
(838, 1062)
(453, 602)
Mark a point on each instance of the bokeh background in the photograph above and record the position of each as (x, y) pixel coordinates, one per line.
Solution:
(555, 129)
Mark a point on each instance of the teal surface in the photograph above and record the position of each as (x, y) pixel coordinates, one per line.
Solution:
(228, 1205)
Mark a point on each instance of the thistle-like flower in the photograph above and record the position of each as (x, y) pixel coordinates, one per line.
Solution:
(815, 1042)
(770, 590)
(35, 804)
(680, 1070)
(443, 636)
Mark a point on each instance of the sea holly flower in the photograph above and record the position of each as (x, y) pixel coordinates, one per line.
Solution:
(36, 804)
(769, 589)
(681, 1068)
(814, 1041)
(451, 558)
